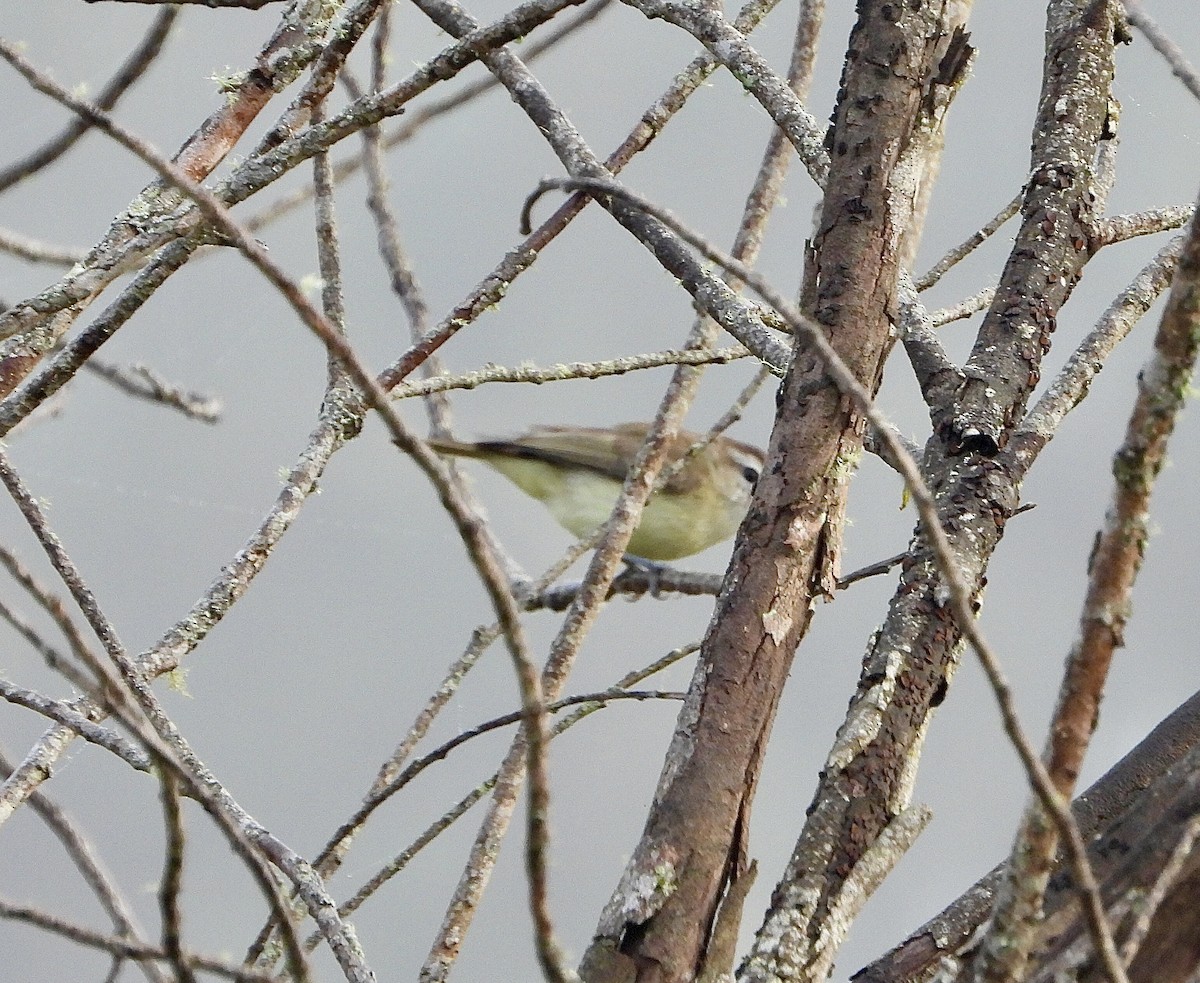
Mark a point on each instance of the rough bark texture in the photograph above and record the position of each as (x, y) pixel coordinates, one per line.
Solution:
(656, 926)
(1133, 853)
(1056, 217)
(867, 782)
(1120, 791)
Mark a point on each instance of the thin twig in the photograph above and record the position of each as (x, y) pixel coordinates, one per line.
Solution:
(349, 21)
(335, 850)
(965, 248)
(481, 547)
(481, 638)
(135, 66)
(143, 382)
(1162, 43)
(963, 309)
(52, 604)
(415, 119)
(568, 371)
(440, 753)
(937, 375)
(635, 583)
(1070, 386)
(448, 818)
(39, 386)
(171, 883)
(1119, 228)
(708, 25)
(1167, 878)
(23, 247)
(128, 695)
(53, 658)
(407, 289)
(77, 722)
(91, 869)
(124, 947)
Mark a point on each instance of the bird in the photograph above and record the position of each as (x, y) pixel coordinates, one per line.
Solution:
(578, 472)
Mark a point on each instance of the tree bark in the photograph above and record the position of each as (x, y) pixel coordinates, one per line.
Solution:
(656, 926)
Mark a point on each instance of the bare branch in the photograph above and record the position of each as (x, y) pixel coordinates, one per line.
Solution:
(91, 869)
(1051, 246)
(415, 119)
(964, 309)
(53, 605)
(172, 881)
(938, 376)
(968, 246)
(124, 947)
(143, 382)
(135, 66)
(1119, 228)
(1168, 878)
(76, 721)
(569, 371)
(1171, 52)
(1113, 568)
(1070, 386)
(1145, 773)
(24, 247)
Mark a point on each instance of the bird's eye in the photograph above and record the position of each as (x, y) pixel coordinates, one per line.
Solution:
(750, 474)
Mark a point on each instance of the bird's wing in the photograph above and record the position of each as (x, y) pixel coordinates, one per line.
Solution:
(590, 449)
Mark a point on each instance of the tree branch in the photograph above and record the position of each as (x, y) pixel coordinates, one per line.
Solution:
(1051, 247)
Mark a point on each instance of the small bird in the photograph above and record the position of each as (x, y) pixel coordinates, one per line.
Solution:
(577, 473)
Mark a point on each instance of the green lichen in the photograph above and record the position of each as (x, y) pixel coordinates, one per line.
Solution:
(665, 880)
(177, 681)
(845, 464)
(229, 82)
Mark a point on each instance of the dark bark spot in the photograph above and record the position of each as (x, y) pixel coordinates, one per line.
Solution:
(857, 209)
